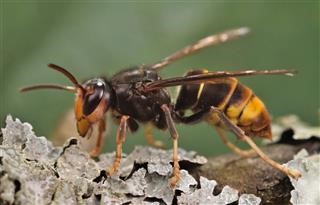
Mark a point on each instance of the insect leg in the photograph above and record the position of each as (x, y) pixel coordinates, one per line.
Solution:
(233, 147)
(149, 137)
(241, 135)
(99, 144)
(199, 116)
(174, 134)
(121, 135)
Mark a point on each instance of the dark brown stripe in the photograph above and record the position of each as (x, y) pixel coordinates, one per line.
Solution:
(252, 96)
(240, 95)
(214, 94)
(187, 96)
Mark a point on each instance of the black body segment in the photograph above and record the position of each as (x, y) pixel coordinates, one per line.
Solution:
(135, 74)
(132, 101)
(188, 94)
(216, 93)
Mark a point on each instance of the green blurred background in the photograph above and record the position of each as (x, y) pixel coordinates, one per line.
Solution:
(100, 38)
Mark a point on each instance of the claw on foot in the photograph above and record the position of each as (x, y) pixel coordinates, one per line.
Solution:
(294, 174)
(158, 144)
(114, 168)
(174, 180)
(111, 171)
(95, 152)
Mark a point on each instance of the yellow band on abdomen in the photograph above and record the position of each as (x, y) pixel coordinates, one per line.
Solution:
(251, 111)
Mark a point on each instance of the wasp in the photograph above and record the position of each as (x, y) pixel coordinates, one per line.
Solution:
(139, 96)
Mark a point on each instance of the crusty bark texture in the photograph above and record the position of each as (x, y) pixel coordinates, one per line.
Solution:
(33, 171)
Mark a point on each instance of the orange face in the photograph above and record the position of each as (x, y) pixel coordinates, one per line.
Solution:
(92, 98)
(91, 103)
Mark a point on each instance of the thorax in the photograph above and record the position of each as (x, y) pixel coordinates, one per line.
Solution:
(131, 100)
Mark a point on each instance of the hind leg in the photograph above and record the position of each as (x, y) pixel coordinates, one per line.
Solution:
(149, 137)
(241, 135)
(233, 147)
(201, 115)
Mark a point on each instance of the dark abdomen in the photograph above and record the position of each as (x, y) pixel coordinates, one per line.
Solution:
(237, 101)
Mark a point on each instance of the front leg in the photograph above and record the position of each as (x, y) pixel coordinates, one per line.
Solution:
(174, 134)
(121, 136)
(99, 143)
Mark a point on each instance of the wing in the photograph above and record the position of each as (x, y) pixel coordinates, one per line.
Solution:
(207, 77)
(201, 44)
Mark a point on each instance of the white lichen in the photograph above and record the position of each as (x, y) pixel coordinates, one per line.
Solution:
(33, 171)
(301, 130)
(307, 188)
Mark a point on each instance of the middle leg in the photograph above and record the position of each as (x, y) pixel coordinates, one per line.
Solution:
(233, 147)
(174, 134)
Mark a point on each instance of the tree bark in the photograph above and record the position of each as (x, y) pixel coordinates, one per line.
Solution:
(254, 176)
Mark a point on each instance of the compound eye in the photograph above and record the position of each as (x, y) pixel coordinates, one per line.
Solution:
(92, 99)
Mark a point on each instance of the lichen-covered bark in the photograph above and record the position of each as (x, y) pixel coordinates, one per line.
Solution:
(254, 176)
(33, 171)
